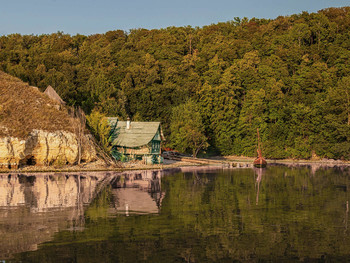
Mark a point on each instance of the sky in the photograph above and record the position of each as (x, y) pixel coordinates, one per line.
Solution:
(89, 17)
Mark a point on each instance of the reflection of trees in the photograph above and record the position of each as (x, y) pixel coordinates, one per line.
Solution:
(219, 221)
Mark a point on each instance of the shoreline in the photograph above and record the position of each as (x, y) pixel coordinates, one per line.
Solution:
(286, 161)
(97, 167)
(224, 161)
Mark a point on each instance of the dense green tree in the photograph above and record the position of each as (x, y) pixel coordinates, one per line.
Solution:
(285, 76)
(187, 129)
(100, 128)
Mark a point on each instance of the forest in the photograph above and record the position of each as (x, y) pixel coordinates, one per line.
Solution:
(210, 86)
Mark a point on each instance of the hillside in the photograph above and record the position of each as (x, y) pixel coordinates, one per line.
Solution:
(24, 108)
(36, 130)
(289, 77)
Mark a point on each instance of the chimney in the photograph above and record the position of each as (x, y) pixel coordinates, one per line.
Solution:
(128, 123)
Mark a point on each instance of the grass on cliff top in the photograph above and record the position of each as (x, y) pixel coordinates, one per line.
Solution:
(24, 108)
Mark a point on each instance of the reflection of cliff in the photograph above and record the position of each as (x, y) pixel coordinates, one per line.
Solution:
(138, 192)
(48, 191)
(33, 208)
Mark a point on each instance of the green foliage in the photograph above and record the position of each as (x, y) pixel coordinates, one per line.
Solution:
(100, 129)
(283, 76)
(187, 129)
(113, 135)
(99, 207)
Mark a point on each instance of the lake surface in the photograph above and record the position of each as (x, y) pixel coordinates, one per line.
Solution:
(218, 215)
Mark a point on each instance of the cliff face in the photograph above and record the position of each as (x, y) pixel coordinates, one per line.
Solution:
(44, 148)
(36, 130)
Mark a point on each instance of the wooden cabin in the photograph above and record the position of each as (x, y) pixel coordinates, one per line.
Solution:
(137, 140)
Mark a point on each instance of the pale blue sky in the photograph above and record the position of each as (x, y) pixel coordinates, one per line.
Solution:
(99, 16)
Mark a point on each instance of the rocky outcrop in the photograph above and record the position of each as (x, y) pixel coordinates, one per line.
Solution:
(44, 148)
(38, 129)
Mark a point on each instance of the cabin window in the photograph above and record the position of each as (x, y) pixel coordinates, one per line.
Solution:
(155, 146)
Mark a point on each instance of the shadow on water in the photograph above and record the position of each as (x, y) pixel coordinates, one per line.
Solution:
(192, 215)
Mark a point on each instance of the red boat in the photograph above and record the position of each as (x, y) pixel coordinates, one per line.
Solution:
(260, 161)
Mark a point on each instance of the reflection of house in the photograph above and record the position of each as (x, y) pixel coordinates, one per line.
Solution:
(138, 192)
(147, 180)
(134, 200)
(137, 140)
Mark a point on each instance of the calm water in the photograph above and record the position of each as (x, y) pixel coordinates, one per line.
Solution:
(276, 214)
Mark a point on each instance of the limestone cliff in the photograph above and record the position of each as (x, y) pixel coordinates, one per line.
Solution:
(35, 129)
(44, 148)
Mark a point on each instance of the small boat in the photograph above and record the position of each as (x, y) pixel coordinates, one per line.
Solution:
(259, 162)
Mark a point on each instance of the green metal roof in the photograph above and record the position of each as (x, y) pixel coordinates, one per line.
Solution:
(139, 133)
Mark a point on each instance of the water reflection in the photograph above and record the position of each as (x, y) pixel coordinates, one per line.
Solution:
(43, 192)
(346, 218)
(32, 208)
(137, 192)
(245, 215)
(259, 172)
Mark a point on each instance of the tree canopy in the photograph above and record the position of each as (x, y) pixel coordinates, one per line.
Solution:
(289, 77)
(187, 129)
